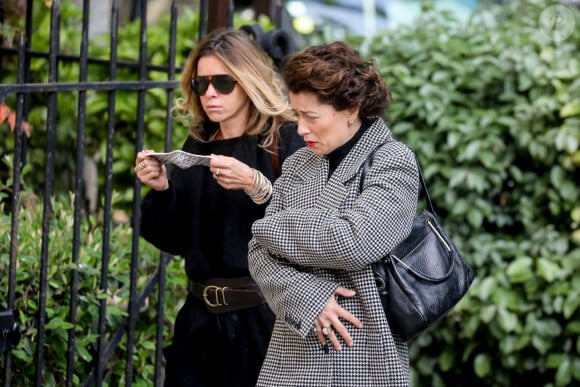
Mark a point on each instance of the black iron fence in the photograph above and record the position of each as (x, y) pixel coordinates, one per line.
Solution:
(20, 90)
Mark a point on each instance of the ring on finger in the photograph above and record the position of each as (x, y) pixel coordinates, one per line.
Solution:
(141, 165)
(327, 330)
(217, 173)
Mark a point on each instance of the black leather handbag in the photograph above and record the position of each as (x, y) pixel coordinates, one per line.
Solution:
(424, 277)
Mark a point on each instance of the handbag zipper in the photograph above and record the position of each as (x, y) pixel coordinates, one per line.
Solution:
(428, 220)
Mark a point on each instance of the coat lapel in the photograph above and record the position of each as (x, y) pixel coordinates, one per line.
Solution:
(335, 190)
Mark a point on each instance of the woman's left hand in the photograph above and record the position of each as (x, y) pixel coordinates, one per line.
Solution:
(329, 325)
(231, 173)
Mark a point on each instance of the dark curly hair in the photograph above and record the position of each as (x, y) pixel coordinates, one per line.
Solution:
(338, 75)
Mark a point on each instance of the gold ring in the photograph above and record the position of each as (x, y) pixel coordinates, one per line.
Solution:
(327, 330)
(217, 173)
(141, 165)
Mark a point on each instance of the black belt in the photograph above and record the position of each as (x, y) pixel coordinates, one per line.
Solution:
(222, 295)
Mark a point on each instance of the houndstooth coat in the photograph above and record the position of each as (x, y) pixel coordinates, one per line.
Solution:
(321, 233)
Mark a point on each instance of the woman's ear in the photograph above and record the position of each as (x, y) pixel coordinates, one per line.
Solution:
(353, 112)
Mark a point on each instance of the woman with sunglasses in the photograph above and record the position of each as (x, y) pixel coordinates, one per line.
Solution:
(240, 115)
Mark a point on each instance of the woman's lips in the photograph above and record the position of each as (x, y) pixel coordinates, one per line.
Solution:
(310, 144)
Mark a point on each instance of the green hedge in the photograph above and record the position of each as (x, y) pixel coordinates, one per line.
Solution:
(59, 275)
(492, 109)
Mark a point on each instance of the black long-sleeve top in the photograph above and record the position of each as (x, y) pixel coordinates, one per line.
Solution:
(206, 224)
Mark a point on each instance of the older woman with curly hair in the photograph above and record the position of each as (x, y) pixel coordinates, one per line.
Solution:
(312, 253)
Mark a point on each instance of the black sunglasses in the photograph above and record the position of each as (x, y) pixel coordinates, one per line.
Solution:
(222, 83)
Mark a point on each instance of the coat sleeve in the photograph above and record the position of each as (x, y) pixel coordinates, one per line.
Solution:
(380, 218)
(295, 296)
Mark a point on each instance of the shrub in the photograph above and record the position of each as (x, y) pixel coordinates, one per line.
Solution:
(59, 276)
(492, 109)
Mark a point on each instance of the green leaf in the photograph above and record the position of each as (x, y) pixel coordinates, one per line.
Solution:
(471, 150)
(571, 305)
(557, 176)
(520, 270)
(568, 139)
(507, 320)
(554, 360)
(569, 191)
(575, 214)
(58, 323)
(148, 345)
(508, 345)
(547, 269)
(571, 108)
(486, 287)
(482, 365)
(475, 218)
(541, 344)
(564, 373)
(488, 313)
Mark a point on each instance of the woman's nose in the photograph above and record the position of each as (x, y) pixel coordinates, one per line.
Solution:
(302, 129)
(211, 91)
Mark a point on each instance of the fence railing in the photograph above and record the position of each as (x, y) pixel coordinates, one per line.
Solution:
(219, 12)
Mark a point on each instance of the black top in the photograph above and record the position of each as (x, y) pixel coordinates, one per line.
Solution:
(336, 156)
(208, 225)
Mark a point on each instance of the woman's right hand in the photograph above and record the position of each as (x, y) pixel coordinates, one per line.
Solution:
(151, 171)
(329, 324)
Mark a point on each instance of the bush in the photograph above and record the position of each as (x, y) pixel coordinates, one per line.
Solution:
(59, 276)
(492, 109)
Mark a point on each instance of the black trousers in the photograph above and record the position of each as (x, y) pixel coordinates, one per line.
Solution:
(217, 349)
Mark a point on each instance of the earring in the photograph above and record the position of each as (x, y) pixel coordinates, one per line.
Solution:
(350, 122)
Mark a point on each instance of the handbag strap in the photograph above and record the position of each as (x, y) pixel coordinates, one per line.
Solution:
(369, 162)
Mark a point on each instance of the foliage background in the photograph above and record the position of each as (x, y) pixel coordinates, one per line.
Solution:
(491, 107)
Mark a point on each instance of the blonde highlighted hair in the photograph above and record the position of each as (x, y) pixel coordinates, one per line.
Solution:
(254, 72)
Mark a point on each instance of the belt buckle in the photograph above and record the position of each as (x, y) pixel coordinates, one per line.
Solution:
(217, 290)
